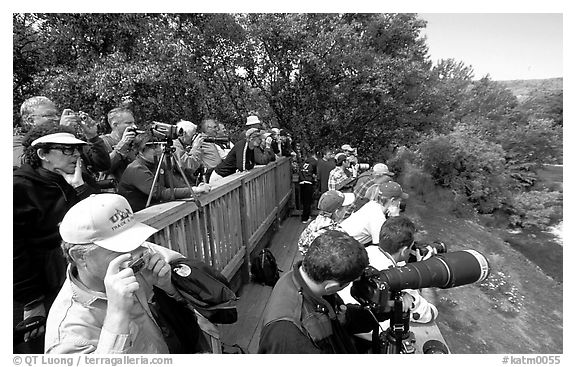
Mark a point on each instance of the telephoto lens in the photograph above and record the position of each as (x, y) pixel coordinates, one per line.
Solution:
(434, 347)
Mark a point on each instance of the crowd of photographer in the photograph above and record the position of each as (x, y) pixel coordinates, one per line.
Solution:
(96, 297)
(60, 160)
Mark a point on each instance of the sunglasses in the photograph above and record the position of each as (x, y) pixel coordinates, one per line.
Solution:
(66, 149)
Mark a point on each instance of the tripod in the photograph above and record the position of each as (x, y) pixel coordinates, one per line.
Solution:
(397, 339)
(167, 159)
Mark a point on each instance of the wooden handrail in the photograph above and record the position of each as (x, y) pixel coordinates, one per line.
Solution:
(231, 219)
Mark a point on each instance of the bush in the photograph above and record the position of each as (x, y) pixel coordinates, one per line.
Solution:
(535, 208)
(470, 166)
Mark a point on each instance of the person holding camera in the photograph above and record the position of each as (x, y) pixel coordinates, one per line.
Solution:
(305, 313)
(47, 184)
(40, 110)
(338, 179)
(119, 142)
(136, 182)
(393, 250)
(103, 306)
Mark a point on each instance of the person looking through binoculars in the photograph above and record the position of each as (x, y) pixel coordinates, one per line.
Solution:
(188, 149)
(138, 180)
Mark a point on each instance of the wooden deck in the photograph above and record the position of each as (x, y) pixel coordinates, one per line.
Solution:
(254, 297)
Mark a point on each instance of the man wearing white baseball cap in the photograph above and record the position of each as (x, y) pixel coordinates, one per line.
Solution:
(103, 304)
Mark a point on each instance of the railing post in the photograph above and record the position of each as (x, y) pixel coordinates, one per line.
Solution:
(244, 269)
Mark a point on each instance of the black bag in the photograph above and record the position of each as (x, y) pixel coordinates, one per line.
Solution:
(206, 289)
(264, 268)
(179, 324)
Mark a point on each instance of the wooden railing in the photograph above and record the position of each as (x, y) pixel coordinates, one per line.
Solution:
(230, 220)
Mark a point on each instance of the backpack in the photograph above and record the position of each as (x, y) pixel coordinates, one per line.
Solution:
(206, 289)
(264, 268)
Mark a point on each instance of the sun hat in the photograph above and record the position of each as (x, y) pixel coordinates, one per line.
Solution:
(106, 220)
(252, 120)
(380, 169)
(58, 138)
(348, 148)
(334, 199)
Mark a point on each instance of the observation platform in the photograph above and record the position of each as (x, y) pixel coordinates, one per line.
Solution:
(225, 228)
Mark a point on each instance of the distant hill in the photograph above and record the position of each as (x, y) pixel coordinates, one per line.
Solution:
(523, 89)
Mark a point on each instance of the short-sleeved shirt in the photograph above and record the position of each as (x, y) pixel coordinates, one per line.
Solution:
(365, 224)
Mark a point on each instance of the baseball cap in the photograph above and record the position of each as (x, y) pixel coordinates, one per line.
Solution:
(391, 190)
(106, 220)
(334, 199)
(252, 120)
(380, 169)
(58, 138)
(340, 157)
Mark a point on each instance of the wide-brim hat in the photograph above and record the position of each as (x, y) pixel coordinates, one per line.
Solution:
(348, 148)
(252, 120)
(58, 138)
(106, 220)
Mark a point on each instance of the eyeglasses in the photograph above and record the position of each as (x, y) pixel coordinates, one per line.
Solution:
(48, 116)
(66, 149)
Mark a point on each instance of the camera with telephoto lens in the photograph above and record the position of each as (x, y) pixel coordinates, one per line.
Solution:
(363, 166)
(423, 251)
(447, 270)
(216, 139)
(166, 131)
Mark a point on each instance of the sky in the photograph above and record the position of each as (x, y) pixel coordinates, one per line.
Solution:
(506, 46)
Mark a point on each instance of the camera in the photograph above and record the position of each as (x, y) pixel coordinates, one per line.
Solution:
(216, 139)
(167, 131)
(446, 270)
(138, 263)
(363, 166)
(422, 251)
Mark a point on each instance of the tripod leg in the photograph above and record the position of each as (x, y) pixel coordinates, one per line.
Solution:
(192, 193)
(155, 180)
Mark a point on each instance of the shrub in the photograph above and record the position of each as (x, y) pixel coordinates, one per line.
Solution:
(535, 208)
(468, 165)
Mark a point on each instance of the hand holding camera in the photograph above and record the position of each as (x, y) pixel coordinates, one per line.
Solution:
(160, 271)
(197, 141)
(79, 120)
(127, 138)
(120, 284)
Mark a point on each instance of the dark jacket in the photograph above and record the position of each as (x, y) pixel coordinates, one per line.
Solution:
(240, 158)
(297, 321)
(323, 171)
(136, 184)
(263, 155)
(41, 198)
(308, 170)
